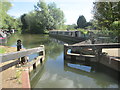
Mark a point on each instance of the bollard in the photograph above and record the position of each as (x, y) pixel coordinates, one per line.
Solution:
(19, 45)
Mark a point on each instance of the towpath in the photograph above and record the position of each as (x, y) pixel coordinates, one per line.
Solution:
(11, 77)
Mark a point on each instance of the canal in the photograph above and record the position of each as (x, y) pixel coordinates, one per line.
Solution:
(59, 73)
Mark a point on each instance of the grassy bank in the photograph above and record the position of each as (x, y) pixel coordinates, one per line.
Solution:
(7, 49)
(2, 50)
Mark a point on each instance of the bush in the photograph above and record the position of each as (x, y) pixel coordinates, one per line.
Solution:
(83, 31)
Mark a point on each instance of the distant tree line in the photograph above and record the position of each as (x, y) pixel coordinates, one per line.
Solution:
(43, 17)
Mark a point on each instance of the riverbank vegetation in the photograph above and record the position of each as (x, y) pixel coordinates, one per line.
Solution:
(2, 50)
(7, 49)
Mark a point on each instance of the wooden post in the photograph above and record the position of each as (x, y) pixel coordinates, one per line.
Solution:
(65, 50)
(98, 54)
(41, 60)
(34, 66)
(43, 52)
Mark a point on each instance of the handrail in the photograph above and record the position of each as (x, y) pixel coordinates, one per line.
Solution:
(19, 54)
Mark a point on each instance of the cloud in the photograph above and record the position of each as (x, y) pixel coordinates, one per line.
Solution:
(55, 81)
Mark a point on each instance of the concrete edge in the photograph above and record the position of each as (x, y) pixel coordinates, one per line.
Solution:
(26, 79)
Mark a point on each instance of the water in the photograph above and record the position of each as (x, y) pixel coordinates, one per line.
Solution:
(59, 73)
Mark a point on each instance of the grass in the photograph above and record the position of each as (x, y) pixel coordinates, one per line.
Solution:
(83, 31)
(2, 50)
(7, 49)
(18, 76)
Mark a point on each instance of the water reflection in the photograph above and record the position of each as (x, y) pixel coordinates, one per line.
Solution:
(36, 75)
(94, 71)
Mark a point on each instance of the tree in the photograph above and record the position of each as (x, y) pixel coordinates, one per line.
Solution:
(4, 7)
(7, 21)
(24, 23)
(53, 16)
(81, 22)
(44, 17)
(106, 13)
(71, 27)
(57, 15)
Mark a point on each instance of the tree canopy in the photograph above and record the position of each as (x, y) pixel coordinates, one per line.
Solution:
(44, 17)
(106, 13)
(7, 21)
(81, 22)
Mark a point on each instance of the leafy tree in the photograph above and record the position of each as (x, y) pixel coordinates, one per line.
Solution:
(44, 17)
(4, 7)
(81, 22)
(7, 21)
(106, 13)
(24, 23)
(57, 15)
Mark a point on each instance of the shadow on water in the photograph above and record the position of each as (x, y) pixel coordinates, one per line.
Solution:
(36, 74)
(62, 39)
(93, 70)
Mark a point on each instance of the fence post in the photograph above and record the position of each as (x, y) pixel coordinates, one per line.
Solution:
(98, 54)
(41, 60)
(43, 52)
(34, 66)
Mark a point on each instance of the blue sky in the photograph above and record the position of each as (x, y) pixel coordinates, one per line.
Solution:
(72, 8)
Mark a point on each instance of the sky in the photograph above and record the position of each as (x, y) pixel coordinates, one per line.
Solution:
(72, 8)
